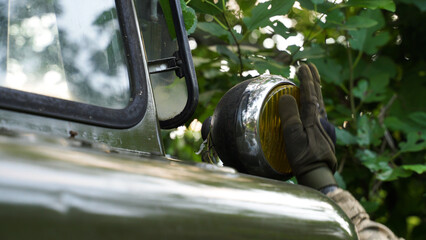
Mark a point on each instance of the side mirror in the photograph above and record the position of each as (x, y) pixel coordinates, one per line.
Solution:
(169, 61)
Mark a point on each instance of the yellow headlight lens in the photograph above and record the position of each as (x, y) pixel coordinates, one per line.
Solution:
(271, 136)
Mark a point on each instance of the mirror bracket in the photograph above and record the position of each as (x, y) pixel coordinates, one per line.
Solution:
(167, 64)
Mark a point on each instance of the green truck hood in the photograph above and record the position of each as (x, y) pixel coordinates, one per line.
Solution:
(66, 189)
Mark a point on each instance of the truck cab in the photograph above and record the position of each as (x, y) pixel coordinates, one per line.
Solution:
(85, 89)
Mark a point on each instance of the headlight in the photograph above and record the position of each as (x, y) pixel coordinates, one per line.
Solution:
(246, 128)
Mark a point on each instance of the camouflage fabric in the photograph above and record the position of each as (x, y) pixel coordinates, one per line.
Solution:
(366, 228)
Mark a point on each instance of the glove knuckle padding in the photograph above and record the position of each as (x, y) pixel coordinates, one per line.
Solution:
(305, 78)
(309, 97)
(317, 83)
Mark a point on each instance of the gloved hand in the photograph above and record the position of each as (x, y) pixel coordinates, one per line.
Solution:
(310, 150)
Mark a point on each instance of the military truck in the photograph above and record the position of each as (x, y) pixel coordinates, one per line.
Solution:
(85, 89)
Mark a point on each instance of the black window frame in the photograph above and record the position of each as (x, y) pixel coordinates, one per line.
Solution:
(132, 114)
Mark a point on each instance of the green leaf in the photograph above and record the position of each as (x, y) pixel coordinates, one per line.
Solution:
(261, 13)
(418, 168)
(363, 131)
(411, 91)
(369, 131)
(246, 5)
(378, 88)
(322, 8)
(379, 164)
(206, 96)
(366, 39)
(419, 118)
(293, 48)
(395, 123)
(375, 41)
(336, 16)
(317, 1)
(421, 4)
(342, 109)
(340, 181)
(370, 206)
(377, 76)
(334, 19)
(329, 69)
(216, 30)
(373, 4)
(392, 174)
(382, 66)
(189, 17)
(373, 161)
(281, 29)
(206, 6)
(360, 91)
(213, 29)
(344, 137)
(356, 22)
(212, 73)
(223, 50)
(261, 65)
(415, 142)
(315, 51)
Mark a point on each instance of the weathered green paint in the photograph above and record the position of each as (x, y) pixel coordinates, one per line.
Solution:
(55, 188)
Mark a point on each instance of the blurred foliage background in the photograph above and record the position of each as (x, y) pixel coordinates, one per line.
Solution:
(371, 57)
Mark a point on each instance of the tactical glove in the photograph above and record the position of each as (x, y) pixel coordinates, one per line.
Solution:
(309, 149)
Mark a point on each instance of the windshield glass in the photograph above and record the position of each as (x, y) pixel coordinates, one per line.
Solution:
(64, 49)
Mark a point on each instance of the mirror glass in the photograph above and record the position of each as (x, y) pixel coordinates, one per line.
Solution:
(170, 91)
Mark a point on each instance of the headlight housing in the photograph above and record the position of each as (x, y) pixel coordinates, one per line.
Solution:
(246, 128)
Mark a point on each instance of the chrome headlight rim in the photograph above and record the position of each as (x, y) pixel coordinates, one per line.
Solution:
(251, 106)
(242, 106)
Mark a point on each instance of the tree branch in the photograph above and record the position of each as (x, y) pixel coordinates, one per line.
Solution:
(342, 164)
(237, 44)
(377, 184)
(381, 118)
(351, 80)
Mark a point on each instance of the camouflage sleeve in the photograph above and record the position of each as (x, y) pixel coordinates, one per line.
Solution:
(366, 229)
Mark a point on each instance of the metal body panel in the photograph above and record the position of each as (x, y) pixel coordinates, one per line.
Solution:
(58, 188)
(144, 137)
